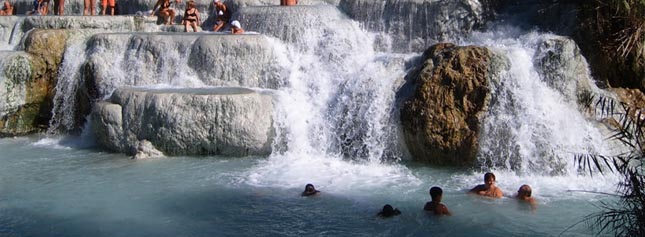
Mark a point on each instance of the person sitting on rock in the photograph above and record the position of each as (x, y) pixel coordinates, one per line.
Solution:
(388, 211)
(435, 206)
(38, 8)
(310, 190)
(165, 12)
(223, 15)
(191, 16)
(288, 2)
(488, 189)
(236, 28)
(7, 9)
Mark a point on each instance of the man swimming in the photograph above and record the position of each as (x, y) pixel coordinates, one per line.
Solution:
(488, 189)
(310, 190)
(435, 205)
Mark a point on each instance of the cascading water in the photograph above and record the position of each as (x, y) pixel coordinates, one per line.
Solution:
(534, 123)
(338, 104)
(69, 77)
(336, 119)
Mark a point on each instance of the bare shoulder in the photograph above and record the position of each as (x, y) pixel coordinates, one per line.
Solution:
(442, 210)
(498, 192)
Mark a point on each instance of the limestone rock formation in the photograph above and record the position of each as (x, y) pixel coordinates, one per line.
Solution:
(207, 121)
(414, 25)
(15, 74)
(441, 121)
(180, 60)
(196, 59)
(563, 66)
(29, 81)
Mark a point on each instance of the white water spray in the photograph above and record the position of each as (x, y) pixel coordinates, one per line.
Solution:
(336, 118)
(534, 124)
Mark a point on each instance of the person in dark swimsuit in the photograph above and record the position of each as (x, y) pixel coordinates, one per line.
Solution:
(223, 15)
(191, 17)
(435, 206)
(165, 12)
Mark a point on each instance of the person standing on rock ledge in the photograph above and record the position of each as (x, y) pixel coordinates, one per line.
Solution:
(59, 7)
(89, 8)
(288, 2)
(108, 4)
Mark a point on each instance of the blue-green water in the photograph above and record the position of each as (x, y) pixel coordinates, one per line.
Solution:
(48, 188)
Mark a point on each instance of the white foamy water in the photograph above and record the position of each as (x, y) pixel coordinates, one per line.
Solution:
(339, 132)
(69, 78)
(336, 119)
(534, 124)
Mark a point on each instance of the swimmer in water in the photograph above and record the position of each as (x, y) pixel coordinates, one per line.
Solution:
(310, 190)
(524, 195)
(388, 211)
(488, 189)
(435, 206)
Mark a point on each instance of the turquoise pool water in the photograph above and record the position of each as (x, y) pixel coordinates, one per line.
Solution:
(51, 187)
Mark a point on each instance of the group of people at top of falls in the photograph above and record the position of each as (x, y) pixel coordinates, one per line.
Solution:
(191, 19)
(489, 189)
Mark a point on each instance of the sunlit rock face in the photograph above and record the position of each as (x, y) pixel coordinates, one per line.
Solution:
(563, 67)
(442, 120)
(414, 25)
(215, 121)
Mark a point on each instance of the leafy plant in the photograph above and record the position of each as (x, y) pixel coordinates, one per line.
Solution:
(626, 216)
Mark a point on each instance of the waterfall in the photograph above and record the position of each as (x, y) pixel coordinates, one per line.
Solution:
(10, 32)
(534, 124)
(336, 115)
(334, 88)
(69, 77)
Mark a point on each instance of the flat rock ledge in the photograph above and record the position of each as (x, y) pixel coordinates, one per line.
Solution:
(229, 121)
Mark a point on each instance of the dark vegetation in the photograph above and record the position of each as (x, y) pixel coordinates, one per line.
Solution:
(626, 215)
(610, 33)
(615, 30)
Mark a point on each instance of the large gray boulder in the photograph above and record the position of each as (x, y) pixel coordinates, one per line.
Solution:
(206, 121)
(414, 25)
(563, 67)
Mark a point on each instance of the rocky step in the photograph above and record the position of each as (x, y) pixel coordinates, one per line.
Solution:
(230, 121)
